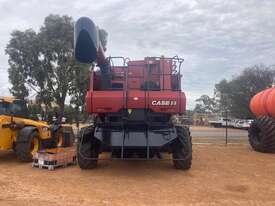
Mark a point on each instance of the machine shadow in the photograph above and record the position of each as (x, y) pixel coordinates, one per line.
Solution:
(8, 157)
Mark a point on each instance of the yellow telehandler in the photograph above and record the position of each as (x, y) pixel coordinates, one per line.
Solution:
(26, 136)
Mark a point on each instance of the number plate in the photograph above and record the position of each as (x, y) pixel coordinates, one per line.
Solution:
(41, 162)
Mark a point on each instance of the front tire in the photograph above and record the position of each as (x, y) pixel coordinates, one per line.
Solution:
(25, 150)
(87, 149)
(182, 150)
(262, 135)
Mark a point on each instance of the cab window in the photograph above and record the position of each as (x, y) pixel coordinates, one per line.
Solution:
(19, 109)
(4, 108)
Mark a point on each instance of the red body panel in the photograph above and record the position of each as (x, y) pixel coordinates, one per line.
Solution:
(113, 101)
(131, 95)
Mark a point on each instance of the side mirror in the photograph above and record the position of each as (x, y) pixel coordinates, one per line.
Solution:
(86, 40)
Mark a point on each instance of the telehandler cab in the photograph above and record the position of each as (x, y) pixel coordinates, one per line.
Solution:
(26, 136)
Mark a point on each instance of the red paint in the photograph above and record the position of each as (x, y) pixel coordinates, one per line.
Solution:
(131, 79)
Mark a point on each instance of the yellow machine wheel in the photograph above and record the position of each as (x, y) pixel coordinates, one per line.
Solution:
(27, 145)
(60, 139)
(35, 145)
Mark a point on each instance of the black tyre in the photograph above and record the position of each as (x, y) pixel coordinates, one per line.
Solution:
(182, 150)
(27, 146)
(64, 137)
(262, 135)
(87, 149)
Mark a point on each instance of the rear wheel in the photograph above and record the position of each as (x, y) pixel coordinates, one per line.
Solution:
(59, 140)
(182, 149)
(262, 135)
(87, 149)
(61, 136)
(26, 149)
(64, 138)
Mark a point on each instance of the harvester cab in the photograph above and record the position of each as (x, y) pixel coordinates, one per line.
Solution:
(26, 136)
(133, 104)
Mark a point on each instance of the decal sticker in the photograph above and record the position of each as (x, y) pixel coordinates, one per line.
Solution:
(164, 103)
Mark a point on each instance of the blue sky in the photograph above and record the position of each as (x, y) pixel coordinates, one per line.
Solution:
(216, 38)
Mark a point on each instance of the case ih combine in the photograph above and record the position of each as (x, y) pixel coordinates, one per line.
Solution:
(132, 105)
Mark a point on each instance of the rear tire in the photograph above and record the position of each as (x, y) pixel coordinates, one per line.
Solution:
(262, 135)
(87, 149)
(64, 138)
(182, 151)
(25, 150)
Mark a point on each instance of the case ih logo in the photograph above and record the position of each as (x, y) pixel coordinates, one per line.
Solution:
(164, 103)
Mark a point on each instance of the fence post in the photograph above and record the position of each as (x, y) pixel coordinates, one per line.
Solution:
(226, 127)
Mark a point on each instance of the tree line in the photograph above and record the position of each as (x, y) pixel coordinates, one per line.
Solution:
(234, 95)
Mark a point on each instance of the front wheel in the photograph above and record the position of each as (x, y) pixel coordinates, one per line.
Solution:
(87, 149)
(182, 150)
(262, 135)
(26, 147)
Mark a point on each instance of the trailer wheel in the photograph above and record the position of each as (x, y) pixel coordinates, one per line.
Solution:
(182, 152)
(87, 149)
(261, 135)
(27, 146)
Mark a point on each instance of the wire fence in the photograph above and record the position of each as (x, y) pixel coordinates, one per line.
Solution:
(211, 135)
(207, 134)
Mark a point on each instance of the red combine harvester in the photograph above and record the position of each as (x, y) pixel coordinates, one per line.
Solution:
(132, 105)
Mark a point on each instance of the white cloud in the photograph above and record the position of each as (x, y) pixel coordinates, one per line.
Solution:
(217, 38)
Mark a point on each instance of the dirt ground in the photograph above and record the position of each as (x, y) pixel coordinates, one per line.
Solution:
(220, 175)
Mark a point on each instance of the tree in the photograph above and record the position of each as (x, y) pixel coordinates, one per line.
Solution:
(18, 88)
(43, 61)
(56, 41)
(78, 90)
(22, 53)
(205, 104)
(235, 95)
(79, 85)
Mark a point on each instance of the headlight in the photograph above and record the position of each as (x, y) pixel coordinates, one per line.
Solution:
(45, 129)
